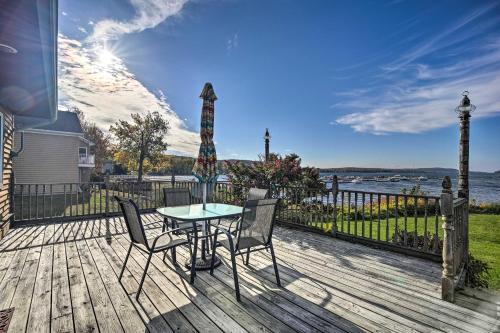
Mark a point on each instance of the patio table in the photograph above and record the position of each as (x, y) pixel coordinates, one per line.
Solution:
(196, 213)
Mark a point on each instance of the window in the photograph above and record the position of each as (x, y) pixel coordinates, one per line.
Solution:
(82, 151)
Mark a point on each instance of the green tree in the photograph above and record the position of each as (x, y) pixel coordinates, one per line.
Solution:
(142, 139)
(277, 171)
(101, 140)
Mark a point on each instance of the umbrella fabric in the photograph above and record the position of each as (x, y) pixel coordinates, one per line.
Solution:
(205, 167)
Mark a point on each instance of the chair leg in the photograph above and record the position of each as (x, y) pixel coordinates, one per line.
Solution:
(214, 246)
(235, 272)
(275, 265)
(144, 275)
(193, 259)
(174, 255)
(248, 257)
(125, 262)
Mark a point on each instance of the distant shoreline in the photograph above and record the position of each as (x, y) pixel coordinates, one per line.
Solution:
(397, 170)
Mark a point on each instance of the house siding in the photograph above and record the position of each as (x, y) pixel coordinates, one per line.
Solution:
(47, 158)
(5, 189)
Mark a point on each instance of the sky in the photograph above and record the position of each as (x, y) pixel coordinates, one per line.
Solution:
(340, 83)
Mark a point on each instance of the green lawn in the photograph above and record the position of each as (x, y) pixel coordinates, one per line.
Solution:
(484, 243)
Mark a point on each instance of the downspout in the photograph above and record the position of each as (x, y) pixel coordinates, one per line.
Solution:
(14, 154)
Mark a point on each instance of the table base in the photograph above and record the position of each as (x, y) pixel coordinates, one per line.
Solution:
(203, 264)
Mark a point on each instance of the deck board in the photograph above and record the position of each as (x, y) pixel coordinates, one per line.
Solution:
(63, 277)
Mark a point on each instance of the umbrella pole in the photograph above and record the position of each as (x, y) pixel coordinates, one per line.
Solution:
(204, 195)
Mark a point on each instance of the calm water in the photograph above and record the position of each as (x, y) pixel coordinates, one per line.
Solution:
(484, 187)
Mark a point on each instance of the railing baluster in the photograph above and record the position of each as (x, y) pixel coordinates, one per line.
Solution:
(71, 199)
(415, 236)
(349, 212)
(405, 235)
(378, 225)
(356, 213)
(22, 202)
(436, 226)
(388, 212)
(342, 211)
(363, 215)
(426, 237)
(371, 215)
(396, 216)
(36, 201)
(43, 201)
(65, 204)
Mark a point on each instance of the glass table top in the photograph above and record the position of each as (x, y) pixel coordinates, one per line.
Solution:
(196, 212)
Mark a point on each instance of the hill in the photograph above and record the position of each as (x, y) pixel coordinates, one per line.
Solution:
(389, 170)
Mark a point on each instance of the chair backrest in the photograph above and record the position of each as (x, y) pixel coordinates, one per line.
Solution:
(176, 197)
(257, 193)
(258, 220)
(133, 221)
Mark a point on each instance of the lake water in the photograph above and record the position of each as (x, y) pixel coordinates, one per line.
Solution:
(484, 187)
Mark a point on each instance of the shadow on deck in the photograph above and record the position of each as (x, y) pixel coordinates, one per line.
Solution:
(63, 277)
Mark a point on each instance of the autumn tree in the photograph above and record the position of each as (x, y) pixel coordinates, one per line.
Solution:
(101, 140)
(142, 139)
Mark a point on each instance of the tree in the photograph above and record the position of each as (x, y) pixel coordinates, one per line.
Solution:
(101, 141)
(277, 171)
(142, 139)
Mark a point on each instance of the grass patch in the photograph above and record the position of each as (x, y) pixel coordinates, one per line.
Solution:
(484, 243)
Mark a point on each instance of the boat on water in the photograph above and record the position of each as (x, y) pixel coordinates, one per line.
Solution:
(381, 179)
(422, 178)
(395, 178)
(357, 180)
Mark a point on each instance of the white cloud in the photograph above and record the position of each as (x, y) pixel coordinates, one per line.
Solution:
(64, 13)
(232, 42)
(91, 22)
(148, 14)
(105, 90)
(82, 29)
(415, 94)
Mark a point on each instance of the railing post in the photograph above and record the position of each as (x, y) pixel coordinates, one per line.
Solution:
(335, 191)
(106, 209)
(447, 278)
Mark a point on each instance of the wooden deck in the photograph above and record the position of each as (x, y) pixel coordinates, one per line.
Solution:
(63, 278)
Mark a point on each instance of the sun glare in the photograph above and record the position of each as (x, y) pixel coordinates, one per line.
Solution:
(105, 57)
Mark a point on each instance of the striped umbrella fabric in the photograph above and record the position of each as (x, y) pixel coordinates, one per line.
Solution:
(205, 167)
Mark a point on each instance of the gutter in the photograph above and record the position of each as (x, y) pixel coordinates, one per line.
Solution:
(14, 154)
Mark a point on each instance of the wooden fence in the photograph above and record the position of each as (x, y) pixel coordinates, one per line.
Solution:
(455, 213)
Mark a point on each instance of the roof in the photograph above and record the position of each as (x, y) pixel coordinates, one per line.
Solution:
(28, 31)
(66, 122)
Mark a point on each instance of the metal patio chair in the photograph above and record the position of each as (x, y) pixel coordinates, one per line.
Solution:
(254, 193)
(173, 197)
(161, 243)
(259, 218)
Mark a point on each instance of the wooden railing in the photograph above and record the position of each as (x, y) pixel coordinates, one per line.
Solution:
(455, 215)
(403, 222)
(66, 201)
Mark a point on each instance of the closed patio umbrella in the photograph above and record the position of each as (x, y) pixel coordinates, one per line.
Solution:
(205, 167)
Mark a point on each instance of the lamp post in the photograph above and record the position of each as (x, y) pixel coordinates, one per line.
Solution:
(464, 113)
(266, 141)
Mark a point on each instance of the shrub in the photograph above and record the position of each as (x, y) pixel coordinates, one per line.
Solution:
(484, 208)
(476, 273)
